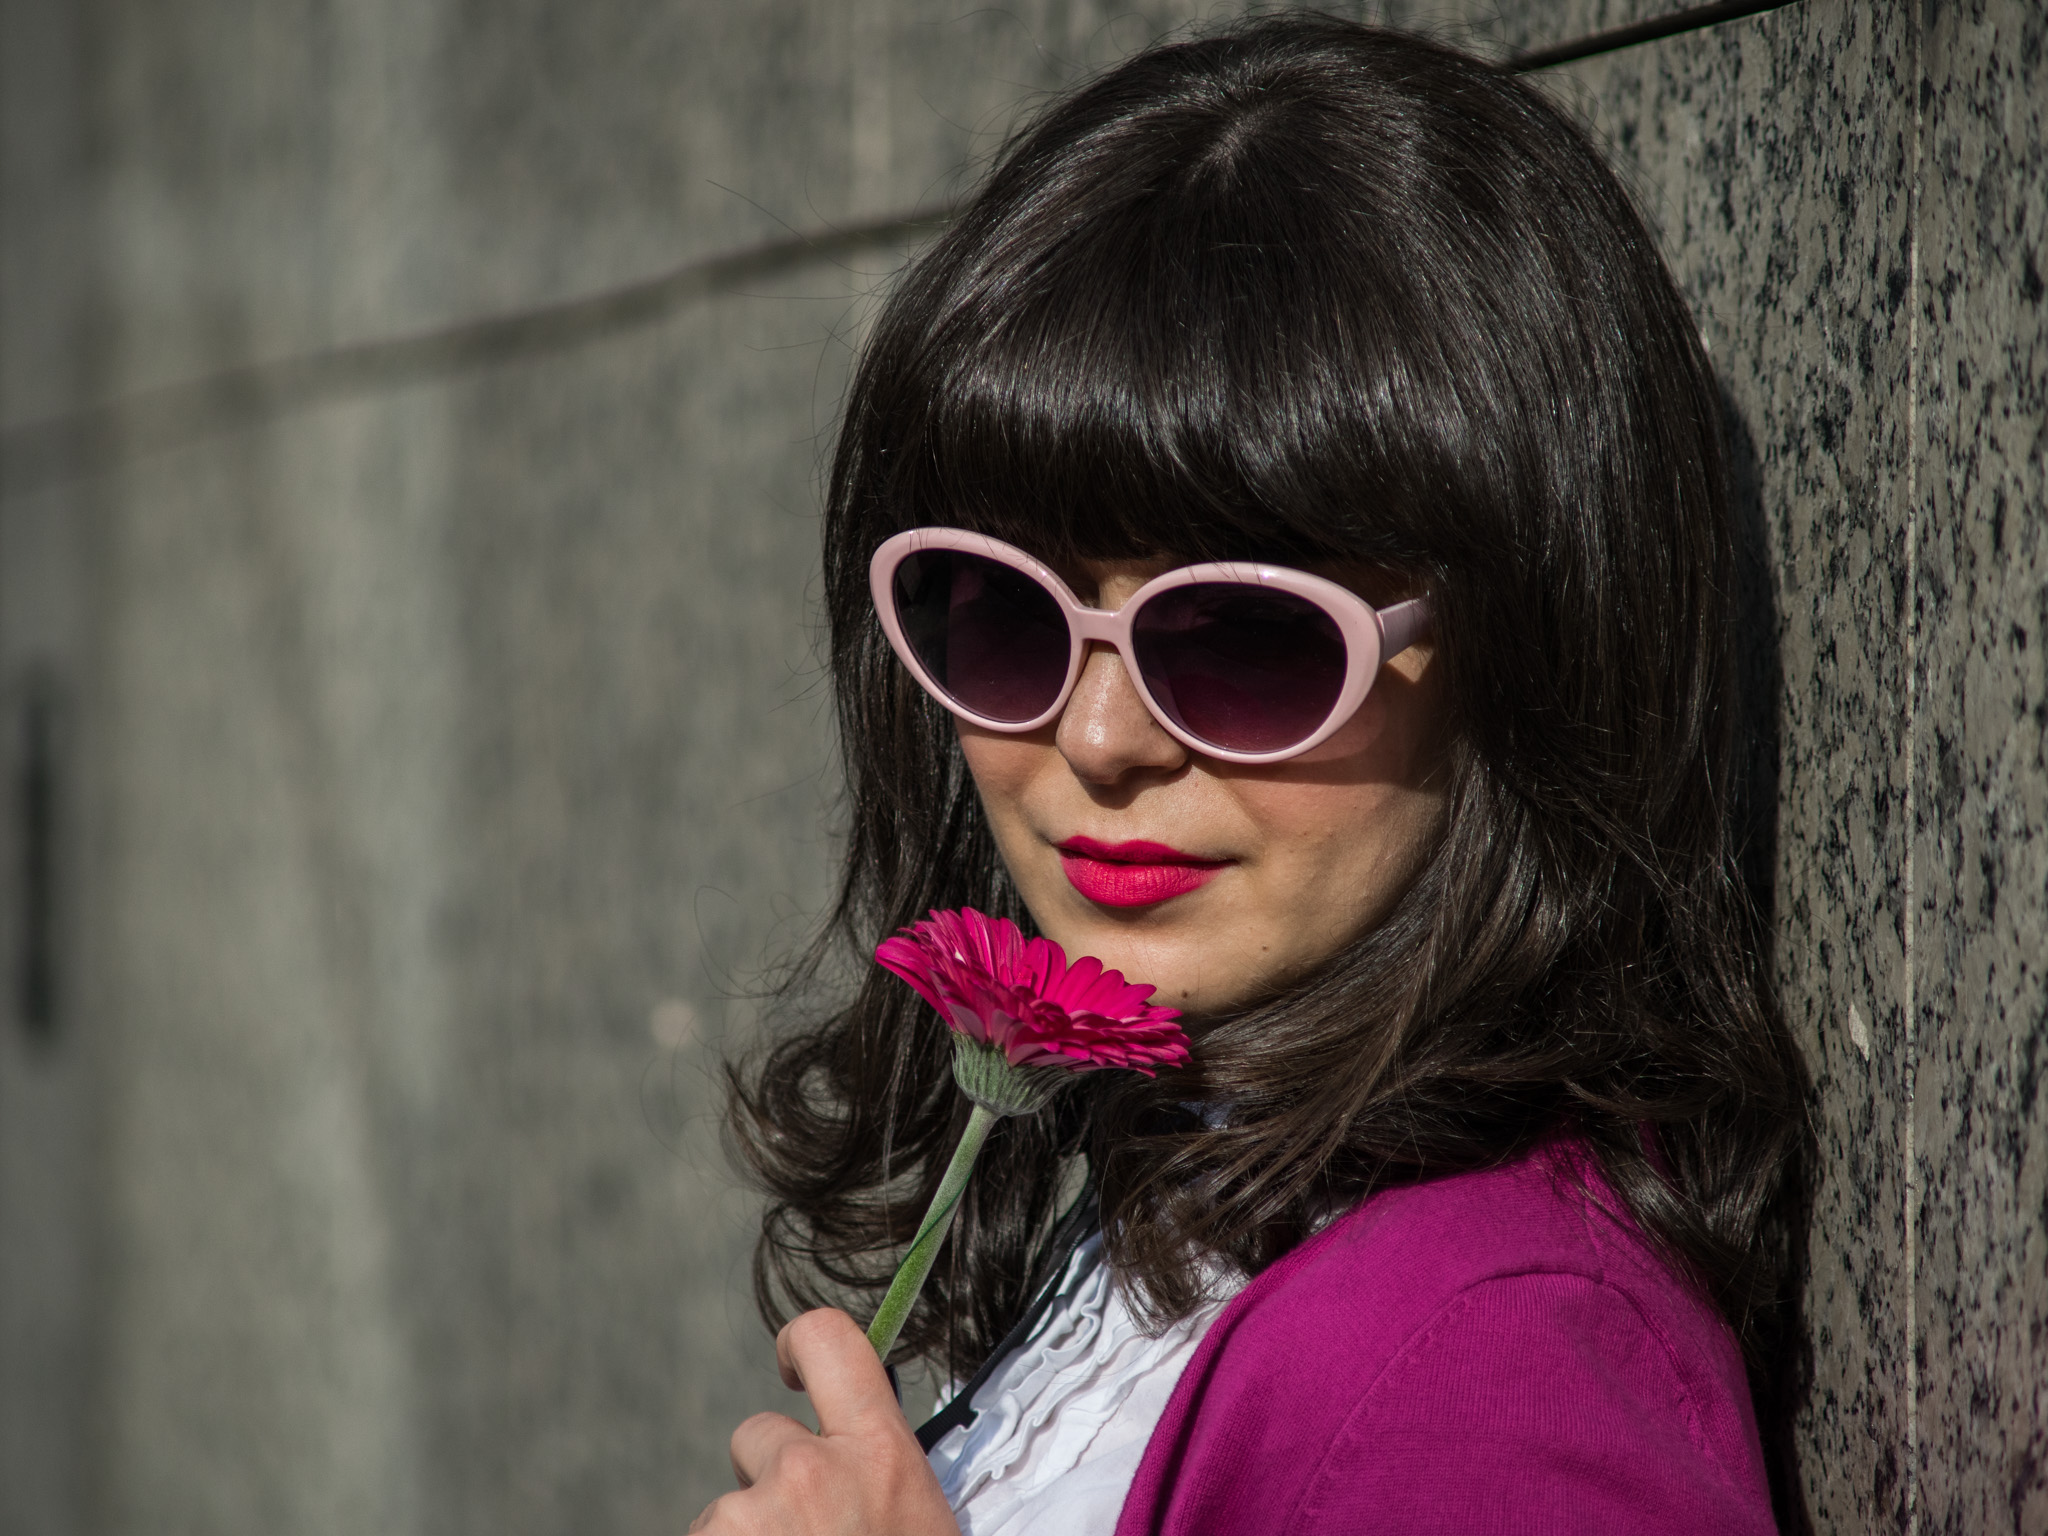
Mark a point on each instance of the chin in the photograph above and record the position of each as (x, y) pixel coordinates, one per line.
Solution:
(1181, 966)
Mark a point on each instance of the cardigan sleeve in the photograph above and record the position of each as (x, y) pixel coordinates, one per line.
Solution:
(1535, 1403)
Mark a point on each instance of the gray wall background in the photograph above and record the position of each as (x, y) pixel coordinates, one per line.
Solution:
(440, 754)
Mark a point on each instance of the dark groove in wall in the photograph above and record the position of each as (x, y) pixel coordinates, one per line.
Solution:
(58, 448)
(38, 453)
(1693, 19)
(36, 806)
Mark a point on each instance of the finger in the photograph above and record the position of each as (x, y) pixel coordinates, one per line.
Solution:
(756, 1444)
(827, 1355)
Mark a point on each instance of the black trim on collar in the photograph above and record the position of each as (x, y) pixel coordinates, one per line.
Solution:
(1083, 1219)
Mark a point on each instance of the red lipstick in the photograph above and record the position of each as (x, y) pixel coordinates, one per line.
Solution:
(1133, 874)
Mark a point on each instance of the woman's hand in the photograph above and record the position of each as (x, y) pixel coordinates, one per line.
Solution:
(863, 1474)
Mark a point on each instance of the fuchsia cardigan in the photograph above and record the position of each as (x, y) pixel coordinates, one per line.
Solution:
(1494, 1351)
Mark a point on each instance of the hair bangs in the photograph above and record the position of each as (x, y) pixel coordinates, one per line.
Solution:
(1164, 374)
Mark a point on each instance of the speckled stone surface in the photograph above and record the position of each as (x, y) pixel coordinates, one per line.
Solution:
(1775, 157)
(1980, 731)
(1894, 433)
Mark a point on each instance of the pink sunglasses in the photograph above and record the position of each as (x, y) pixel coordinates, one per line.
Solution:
(1247, 663)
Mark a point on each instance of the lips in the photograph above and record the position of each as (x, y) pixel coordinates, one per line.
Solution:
(1133, 874)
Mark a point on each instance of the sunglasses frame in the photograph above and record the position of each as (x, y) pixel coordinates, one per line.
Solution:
(1372, 636)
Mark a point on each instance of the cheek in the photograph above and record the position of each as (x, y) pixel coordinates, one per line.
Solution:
(1004, 769)
(1328, 824)
(1010, 772)
(996, 762)
(1341, 887)
(1337, 855)
(1393, 738)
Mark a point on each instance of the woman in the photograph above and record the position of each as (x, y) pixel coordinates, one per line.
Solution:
(1468, 1206)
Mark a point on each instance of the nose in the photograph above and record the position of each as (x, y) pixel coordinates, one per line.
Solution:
(1106, 732)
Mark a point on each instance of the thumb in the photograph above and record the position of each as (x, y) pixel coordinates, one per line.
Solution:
(827, 1355)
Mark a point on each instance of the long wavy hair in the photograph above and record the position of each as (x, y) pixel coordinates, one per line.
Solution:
(1304, 291)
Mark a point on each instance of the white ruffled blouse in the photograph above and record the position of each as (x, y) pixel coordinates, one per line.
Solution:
(1060, 1428)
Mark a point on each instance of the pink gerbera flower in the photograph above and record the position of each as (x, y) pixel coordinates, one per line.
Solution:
(1020, 997)
(1022, 1019)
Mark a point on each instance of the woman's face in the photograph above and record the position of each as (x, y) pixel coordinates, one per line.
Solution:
(1295, 858)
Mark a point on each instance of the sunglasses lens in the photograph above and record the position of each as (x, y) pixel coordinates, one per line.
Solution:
(1244, 668)
(990, 636)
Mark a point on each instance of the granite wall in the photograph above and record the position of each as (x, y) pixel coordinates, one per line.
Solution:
(424, 748)
(1853, 197)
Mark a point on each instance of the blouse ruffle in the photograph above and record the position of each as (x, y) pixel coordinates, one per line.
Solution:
(1059, 1430)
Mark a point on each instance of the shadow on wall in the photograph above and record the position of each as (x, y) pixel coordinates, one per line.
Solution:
(1753, 812)
(1759, 674)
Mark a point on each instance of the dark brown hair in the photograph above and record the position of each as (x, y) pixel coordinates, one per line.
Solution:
(1305, 291)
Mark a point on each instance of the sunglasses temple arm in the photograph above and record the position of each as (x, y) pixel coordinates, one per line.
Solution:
(1401, 625)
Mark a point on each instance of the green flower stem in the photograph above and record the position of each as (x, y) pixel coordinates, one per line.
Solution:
(924, 1248)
